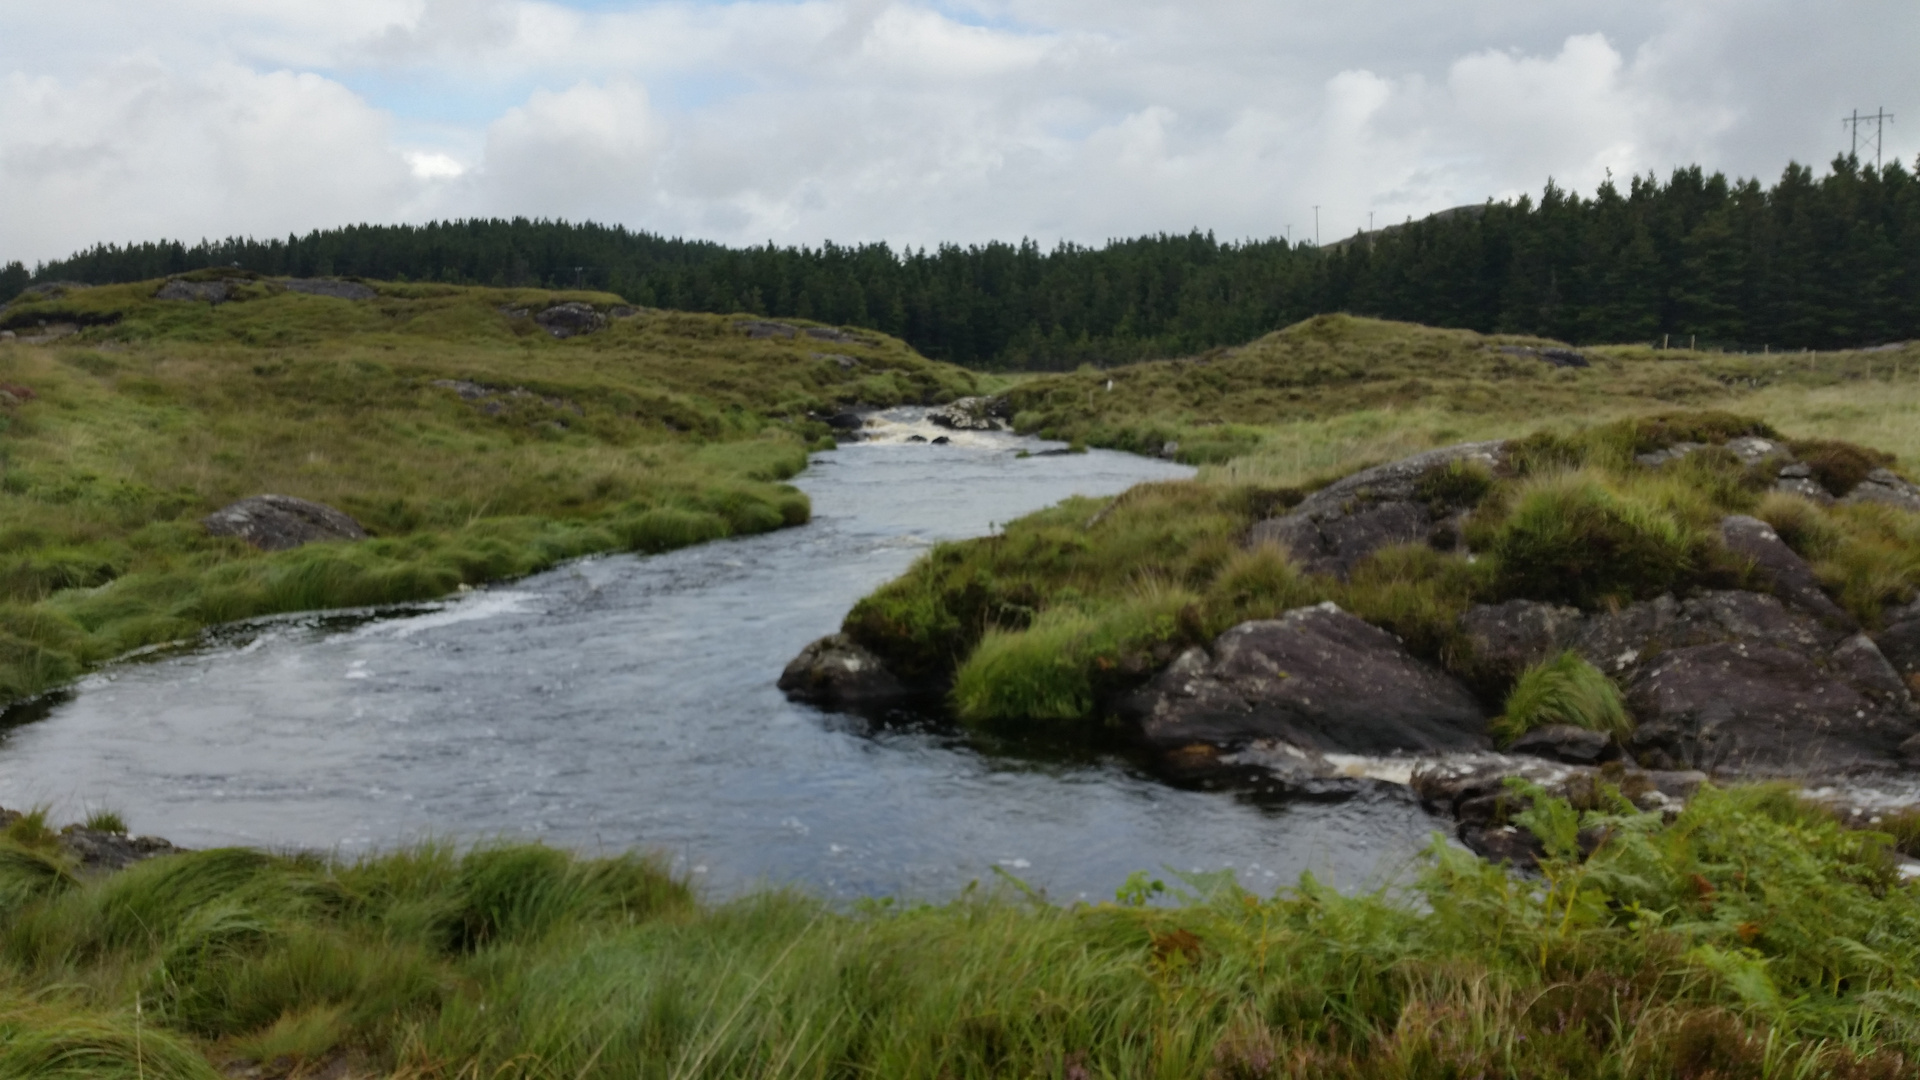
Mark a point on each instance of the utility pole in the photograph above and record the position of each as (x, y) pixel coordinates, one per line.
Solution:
(579, 277)
(1879, 120)
(1316, 226)
(1369, 221)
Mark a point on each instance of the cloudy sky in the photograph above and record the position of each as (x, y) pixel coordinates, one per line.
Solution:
(912, 122)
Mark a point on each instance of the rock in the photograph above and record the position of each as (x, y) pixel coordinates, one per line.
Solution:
(916, 438)
(1752, 450)
(846, 420)
(7, 335)
(97, 851)
(1803, 486)
(1900, 644)
(1316, 678)
(759, 329)
(281, 522)
(623, 311)
(940, 440)
(212, 292)
(1564, 358)
(1798, 470)
(1472, 789)
(1657, 458)
(836, 673)
(339, 290)
(571, 319)
(1169, 450)
(966, 414)
(1781, 569)
(1884, 486)
(828, 333)
(1508, 638)
(1764, 710)
(1564, 742)
(48, 290)
(1344, 522)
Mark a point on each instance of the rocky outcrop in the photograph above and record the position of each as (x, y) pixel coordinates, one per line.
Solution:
(281, 522)
(837, 673)
(1729, 681)
(208, 292)
(1473, 791)
(761, 329)
(333, 287)
(571, 319)
(1794, 477)
(1557, 357)
(1884, 486)
(1900, 644)
(99, 851)
(1344, 522)
(970, 414)
(1781, 570)
(1317, 679)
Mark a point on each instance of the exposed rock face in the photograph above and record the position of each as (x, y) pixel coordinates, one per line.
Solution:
(1560, 358)
(1883, 486)
(765, 328)
(339, 290)
(1729, 681)
(1344, 522)
(1317, 679)
(967, 414)
(1784, 573)
(1564, 742)
(1900, 644)
(571, 319)
(281, 522)
(100, 851)
(211, 292)
(836, 673)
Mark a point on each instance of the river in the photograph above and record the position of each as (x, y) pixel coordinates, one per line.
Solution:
(629, 702)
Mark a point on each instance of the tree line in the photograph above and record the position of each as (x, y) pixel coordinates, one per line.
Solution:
(1821, 262)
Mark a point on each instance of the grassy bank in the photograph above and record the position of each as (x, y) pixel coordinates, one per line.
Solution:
(1040, 627)
(1751, 937)
(471, 443)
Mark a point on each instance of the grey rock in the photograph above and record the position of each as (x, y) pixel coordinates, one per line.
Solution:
(211, 292)
(571, 319)
(966, 414)
(1781, 569)
(281, 522)
(1900, 644)
(339, 290)
(836, 673)
(939, 440)
(1508, 638)
(97, 851)
(1805, 487)
(1564, 358)
(1798, 470)
(1344, 522)
(760, 329)
(1564, 742)
(1316, 678)
(48, 290)
(1657, 458)
(1170, 449)
(1752, 449)
(846, 420)
(1884, 486)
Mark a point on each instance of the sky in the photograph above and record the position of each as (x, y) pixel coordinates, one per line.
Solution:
(914, 123)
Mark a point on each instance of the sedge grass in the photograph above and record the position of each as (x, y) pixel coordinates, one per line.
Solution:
(1750, 937)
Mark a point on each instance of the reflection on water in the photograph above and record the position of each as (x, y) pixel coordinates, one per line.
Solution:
(629, 702)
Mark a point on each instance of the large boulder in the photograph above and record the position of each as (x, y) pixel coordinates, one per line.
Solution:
(281, 522)
(1731, 681)
(571, 319)
(1884, 486)
(1334, 528)
(1317, 679)
(837, 673)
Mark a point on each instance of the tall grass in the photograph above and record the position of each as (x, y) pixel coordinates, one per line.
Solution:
(1562, 690)
(1750, 937)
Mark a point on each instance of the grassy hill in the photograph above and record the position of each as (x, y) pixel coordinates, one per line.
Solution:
(468, 440)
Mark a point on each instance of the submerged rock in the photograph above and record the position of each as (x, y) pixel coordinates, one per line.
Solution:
(967, 414)
(1344, 522)
(1317, 679)
(281, 522)
(835, 672)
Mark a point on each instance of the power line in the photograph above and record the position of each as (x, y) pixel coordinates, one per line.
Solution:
(1879, 120)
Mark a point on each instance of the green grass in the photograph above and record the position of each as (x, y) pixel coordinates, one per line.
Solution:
(663, 430)
(1750, 937)
(1562, 690)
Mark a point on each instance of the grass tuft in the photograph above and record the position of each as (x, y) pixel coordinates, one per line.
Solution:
(1571, 538)
(1563, 690)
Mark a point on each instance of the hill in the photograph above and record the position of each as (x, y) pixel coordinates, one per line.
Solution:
(467, 438)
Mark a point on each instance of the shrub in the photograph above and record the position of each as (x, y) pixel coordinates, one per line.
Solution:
(1570, 538)
(1563, 690)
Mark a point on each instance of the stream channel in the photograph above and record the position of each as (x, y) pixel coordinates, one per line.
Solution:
(628, 702)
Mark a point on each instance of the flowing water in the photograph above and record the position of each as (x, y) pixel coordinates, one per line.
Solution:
(628, 701)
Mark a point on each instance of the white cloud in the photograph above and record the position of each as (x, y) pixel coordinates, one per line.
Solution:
(749, 120)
